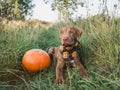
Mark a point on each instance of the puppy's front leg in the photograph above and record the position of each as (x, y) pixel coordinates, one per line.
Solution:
(81, 69)
(59, 73)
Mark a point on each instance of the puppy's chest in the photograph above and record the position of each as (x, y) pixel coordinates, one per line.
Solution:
(69, 53)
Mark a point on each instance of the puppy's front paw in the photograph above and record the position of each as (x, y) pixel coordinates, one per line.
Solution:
(59, 80)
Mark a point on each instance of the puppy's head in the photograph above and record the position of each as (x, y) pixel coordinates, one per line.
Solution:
(69, 35)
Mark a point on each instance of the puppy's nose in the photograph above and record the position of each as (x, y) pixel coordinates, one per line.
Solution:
(65, 40)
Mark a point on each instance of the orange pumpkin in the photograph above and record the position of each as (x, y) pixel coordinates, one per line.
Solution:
(35, 60)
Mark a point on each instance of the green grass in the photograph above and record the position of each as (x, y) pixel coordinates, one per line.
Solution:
(100, 52)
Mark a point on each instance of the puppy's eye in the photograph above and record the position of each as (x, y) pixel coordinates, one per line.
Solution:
(71, 33)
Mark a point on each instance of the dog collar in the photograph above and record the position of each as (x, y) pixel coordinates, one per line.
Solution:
(70, 52)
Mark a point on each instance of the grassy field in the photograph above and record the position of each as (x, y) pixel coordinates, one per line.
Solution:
(100, 52)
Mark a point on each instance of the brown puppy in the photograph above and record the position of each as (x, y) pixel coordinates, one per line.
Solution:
(67, 52)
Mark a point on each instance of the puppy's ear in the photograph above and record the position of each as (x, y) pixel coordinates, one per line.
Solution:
(60, 32)
(78, 32)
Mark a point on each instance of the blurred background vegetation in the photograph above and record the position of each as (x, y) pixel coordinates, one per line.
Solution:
(100, 51)
(15, 9)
